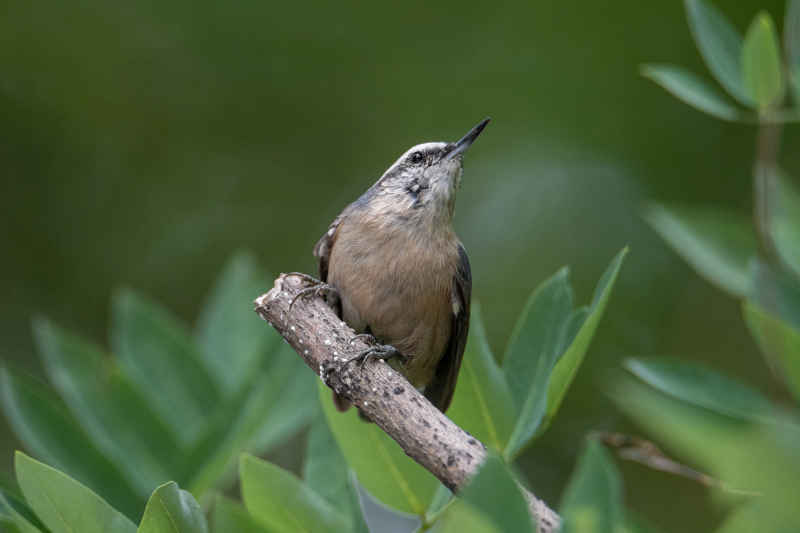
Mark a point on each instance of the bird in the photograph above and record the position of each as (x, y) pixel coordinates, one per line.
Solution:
(401, 275)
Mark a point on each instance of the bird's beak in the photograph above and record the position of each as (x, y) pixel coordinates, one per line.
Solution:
(466, 141)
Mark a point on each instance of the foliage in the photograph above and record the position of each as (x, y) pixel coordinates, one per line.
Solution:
(109, 434)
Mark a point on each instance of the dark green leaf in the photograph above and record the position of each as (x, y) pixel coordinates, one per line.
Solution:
(482, 403)
(172, 510)
(280, 501)
(762, 70)
(718, 244)
(701, 386)
(262, 405)
(63, 504)
(44, 425)
(231, 517)
(779, 342)
(461, 518)
(776, 291)
(720, 44)
(108, 408)
(232, 337)
(17, 512)
(592, 501)
(326, 470)
(533, 350)
(495, 494)
(692, 90)
(379, 463)
(585, 322)
(160, 358)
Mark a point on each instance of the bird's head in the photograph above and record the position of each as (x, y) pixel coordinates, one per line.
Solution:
(424, 180)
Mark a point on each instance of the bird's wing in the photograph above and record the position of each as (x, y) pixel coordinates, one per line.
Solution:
(322, 250)
(440, 390)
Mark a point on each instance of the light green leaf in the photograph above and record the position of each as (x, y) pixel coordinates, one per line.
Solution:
(231, 517)
(260, 406)
(461, 517)
(44, 425)
(776, 291)
(718, 244)
(720, 44)
(161, 360)
(547, 347)
(692, 90)
(277, 499)
(535, 345)
(233, 339)
(326, 470)
(379, 463)
(587, 320)
(785, 221)
(482, 403)
(17, 513)
(63, 504)
(701, 386)
(762, 70)
(494, 492)
(172, 510)
(592, 501)
(107, 407)
(791, 35)
(779, 342)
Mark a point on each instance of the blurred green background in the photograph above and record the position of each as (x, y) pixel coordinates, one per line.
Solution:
(141, 144)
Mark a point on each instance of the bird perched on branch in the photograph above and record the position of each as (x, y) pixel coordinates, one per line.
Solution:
(401, 274)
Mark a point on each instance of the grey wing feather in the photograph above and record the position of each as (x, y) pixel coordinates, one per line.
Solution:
(440, 390)
(322, 250)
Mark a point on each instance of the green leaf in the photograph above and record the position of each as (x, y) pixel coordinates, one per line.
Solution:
(718, 244)
(16, 512)
(547, 348)
(43, 424)
(160, 358)
(720, 44)
(592, 501)
(497, 496)
(379, 463)
(586, 320)
(107, 407)
(283, 503)
(779, 342)
(761, 62)
(535, 345)
(261, 405)
(172, 510)
(326, 470)
(63, 504)
(233, 339)
(690, 89)
(482, 403)
(701, 386)
(460, 518)
(785, 221)
(231, 517)
(776, 291)
(791, 35)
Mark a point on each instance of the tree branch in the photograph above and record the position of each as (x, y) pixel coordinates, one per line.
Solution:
(423, 432)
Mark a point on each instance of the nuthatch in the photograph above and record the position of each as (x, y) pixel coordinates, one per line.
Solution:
(401, 274)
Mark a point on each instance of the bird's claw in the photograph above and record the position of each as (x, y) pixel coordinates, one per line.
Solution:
(378, 351)
(316, 289)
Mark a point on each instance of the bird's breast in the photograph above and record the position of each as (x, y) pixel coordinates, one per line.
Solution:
(398, 284)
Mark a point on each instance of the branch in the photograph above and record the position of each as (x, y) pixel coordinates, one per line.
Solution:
(425, 433)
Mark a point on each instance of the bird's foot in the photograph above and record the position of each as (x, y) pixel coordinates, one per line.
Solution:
(381, 352)
(317, 288)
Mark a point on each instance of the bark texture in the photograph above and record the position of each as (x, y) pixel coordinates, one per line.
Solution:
(425, 434)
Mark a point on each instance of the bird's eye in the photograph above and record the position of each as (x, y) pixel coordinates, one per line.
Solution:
(417, 158)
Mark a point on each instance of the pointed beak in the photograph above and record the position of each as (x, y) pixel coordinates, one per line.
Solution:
(466, 141)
